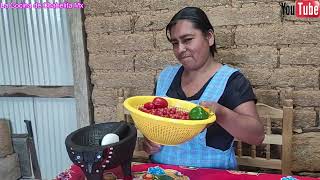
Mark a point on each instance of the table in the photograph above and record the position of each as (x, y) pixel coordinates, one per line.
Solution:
(75, 173)
(205, 173)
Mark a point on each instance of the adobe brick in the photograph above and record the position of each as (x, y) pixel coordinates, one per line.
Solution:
(248, 14)
(265, 56)
(154, 61)
(306, 98)
(306, 152)
(269, 97)
(300, 56)
(123, 79)
(111, 62)
(296, 77)
(304, 118)
(101, 24)
(107, 43)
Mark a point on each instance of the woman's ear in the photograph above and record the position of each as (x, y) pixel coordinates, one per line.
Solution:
(210, 37)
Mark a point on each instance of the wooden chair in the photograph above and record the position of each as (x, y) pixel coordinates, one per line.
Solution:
(139, 154)
(268, 113)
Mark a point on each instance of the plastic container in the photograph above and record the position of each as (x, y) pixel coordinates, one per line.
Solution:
(162, 130)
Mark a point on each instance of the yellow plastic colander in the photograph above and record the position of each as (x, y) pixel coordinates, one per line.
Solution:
(165, 131)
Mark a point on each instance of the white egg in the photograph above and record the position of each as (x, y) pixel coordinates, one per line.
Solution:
(109, 139)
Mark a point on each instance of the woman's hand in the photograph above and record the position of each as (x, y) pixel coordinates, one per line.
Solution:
(213, 106)
(150, 147)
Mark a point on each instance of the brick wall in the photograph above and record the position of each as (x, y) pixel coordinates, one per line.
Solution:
(127, 48)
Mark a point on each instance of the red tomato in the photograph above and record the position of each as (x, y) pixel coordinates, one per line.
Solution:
(144, 109)
(160, 110)
(186, 117)
(160, 102)
(172, 110)
(149, 105)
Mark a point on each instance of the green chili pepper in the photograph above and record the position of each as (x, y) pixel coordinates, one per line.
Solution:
(198, 113)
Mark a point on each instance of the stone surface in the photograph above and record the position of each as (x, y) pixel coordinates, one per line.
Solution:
(114, 6)
(9, 167)
(123, 79)
(162, 42)
(259, 13)
(306, 98)
(258, 35)
(94, 7)
(239, 3)
(111, 62)
(276, 34)
(269, 97)
(156, 21)
(295, 77)
(224, 37)
(177, 4)
(104, 96)
(255, 75)
(101, 24)
(300, 56)
(105, 43)
(154, 61)
(262, 57)
(104, 113)
(300, 34)
(306, 152)
(304, 118)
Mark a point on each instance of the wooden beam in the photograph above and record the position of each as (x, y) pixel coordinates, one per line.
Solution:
(80, 68)
(272, 139)
(287, 123)
(37, 91)
(259, 162)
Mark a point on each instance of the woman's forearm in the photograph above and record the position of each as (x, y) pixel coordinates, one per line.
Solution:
(242, 127)
(243, 122)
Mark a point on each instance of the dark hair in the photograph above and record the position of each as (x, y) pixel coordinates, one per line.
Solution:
(199, 20)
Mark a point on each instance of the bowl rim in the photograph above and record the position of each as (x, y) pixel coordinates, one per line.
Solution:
(131, 109)
(70, 144)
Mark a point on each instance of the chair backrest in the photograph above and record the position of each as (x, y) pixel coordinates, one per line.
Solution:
(267, 114)
(139, 155)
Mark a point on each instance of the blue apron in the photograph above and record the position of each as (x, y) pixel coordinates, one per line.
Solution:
(195, 152)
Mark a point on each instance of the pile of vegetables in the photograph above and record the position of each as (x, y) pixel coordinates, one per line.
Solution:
(159, 107)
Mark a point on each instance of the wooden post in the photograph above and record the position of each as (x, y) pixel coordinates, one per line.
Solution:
(253, 151)
(5, 139)
(80, 68)
(287, 136)
(268, 133)
(239, 148)
(120, 109)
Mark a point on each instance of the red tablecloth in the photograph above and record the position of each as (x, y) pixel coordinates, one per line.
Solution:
(75, 173)
(204, 174)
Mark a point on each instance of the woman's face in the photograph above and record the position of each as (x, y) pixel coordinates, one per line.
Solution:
(190, 46)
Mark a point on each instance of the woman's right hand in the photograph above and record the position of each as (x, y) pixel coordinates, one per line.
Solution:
(150, 147)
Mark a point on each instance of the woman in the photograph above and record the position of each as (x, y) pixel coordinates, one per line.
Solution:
(201, 79)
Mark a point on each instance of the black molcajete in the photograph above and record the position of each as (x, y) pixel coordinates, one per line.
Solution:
(84, 149)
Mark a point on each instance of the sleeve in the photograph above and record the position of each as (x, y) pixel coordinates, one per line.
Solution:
(238, 91)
